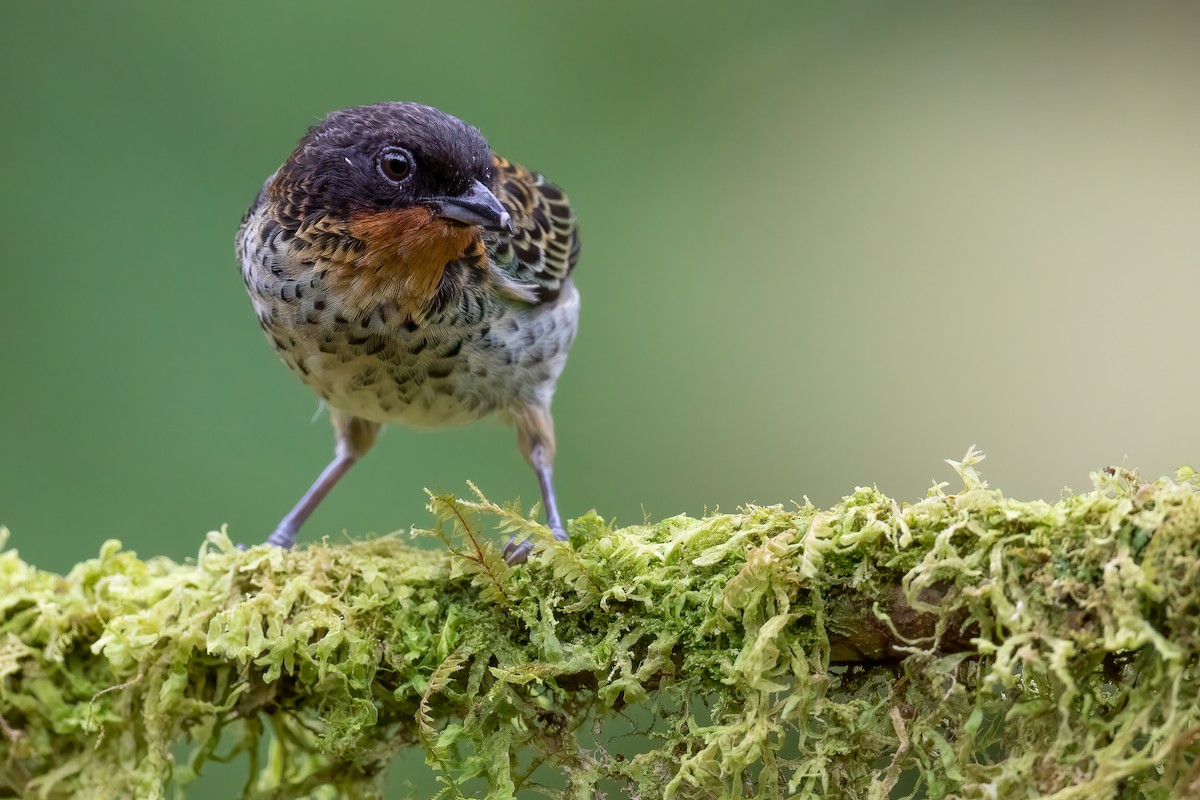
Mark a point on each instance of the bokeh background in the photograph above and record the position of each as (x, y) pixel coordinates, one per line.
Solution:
(825, 245)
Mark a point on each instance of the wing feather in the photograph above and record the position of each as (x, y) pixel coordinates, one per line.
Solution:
(544, 246)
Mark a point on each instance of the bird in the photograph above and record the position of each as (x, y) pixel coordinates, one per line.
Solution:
(407, 274)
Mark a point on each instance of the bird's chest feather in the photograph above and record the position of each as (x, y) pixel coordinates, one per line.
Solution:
(472, 354)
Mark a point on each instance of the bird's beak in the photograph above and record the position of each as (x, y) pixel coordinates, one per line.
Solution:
(476, 206)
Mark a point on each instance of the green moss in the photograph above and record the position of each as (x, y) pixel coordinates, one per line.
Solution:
(1063, 661)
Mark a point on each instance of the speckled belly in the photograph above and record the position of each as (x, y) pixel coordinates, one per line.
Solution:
(434, 375)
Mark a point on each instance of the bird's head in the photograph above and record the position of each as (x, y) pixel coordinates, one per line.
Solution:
(394, 191)
(393, 157)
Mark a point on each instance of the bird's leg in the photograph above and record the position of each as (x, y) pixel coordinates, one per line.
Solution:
(544, 469)
(354, 438)
(535, 436)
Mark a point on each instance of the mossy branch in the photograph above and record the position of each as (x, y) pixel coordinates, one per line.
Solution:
(967, 645)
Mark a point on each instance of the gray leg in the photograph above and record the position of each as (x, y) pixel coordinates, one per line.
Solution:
(545, 475)
(535, 436)
(354, 438)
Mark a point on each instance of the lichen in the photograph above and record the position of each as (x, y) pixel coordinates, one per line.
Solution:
(1058, 656)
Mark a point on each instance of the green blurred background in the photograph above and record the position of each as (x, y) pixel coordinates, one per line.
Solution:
(824, 245)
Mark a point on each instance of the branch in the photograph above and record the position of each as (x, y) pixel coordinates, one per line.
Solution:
(967, 645)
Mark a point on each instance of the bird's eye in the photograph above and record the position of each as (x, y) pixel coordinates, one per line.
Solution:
(395, 164)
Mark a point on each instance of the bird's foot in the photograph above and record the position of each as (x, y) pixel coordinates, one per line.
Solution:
(515, 552)
(280, 538)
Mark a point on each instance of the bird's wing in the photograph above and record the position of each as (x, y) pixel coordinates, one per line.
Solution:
(544, 246)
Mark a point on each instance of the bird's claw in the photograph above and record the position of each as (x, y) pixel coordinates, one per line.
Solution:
(516, 551)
